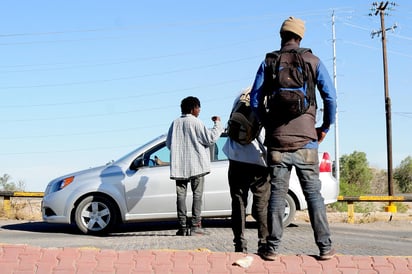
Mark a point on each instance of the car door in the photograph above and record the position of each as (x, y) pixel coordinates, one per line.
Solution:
(217, 200)
(150, 193)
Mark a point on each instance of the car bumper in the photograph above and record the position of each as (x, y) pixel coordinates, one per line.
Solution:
(54, 209)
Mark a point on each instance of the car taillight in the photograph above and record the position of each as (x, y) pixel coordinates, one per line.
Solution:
(325, 164)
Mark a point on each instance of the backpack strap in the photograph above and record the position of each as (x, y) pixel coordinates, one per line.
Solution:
(272, 58)
(271, 61)
(311, 77)
(309, 74)
(303, 50)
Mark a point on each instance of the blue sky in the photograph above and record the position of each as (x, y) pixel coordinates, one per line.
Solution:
(85, 82)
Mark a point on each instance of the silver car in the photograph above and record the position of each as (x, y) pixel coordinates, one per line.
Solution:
(137, 188)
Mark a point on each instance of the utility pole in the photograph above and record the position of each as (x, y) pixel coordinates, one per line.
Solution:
(337, 163)
(381, 10)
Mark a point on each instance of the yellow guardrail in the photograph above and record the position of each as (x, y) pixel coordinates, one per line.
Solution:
(27, 194)
(390, 208)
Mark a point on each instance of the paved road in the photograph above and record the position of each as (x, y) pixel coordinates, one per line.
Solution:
(392, 238)
(37, 247)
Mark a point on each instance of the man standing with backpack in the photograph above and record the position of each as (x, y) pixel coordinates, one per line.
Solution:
(283, 97)
(247, 171)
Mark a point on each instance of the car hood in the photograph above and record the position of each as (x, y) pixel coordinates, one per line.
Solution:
(82, 173)
(88, 172)
(105, 174)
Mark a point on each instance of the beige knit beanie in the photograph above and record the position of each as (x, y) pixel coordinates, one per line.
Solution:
(294, 25)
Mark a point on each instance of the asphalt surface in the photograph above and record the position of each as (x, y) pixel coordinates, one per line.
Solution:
(383, 238)
(37, 247)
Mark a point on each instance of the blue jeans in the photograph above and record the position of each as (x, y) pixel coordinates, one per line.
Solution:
(306, 164)
(181, 190)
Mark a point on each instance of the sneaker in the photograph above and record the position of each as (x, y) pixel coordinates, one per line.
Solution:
(183, 232)
(328, 255)
(261, 248)
(198, 231)
(268, 255)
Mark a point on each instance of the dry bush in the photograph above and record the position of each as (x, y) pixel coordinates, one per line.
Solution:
(23, 209)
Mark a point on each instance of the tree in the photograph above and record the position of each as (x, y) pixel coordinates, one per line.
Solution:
(403, 175)
(356, 175)
(10, 186)
(379, 182)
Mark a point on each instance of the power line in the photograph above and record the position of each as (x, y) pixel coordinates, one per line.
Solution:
(219, 22)
(129, 77)
(128, 60)
(68, 150)
(119, 98)
(403, 114)
(88, 116)
(97, 132)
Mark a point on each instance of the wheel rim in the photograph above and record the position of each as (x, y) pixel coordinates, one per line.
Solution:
(287, 211)
(95, 216)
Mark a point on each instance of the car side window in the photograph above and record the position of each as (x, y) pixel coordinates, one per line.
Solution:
(159, 157)
(216, 151)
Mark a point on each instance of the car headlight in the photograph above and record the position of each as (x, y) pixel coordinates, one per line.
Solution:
(59, 185)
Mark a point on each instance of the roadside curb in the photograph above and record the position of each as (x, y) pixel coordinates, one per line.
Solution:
(32, 259)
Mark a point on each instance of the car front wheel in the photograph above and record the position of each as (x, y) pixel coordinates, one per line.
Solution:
(95, 215)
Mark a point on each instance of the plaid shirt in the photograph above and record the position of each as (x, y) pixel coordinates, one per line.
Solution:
(189, 140)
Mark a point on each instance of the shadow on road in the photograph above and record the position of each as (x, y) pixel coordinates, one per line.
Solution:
(42, 227)
(137, 227)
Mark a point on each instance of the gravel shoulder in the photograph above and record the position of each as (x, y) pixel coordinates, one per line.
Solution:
(29, 209)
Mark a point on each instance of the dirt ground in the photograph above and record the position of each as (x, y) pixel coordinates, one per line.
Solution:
(23, 209)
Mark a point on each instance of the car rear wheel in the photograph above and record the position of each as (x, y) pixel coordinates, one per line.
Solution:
(290, 211)
(95, 215)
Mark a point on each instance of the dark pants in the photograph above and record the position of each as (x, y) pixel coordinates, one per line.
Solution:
(242, 178)
(181, 190)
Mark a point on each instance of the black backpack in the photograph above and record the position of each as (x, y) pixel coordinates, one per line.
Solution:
(289, 84)
(243, 125)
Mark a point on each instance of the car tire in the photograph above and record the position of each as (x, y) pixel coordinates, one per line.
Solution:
(95, 215)
(290, 211)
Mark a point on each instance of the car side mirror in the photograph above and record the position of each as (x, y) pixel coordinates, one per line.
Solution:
(136, 164)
